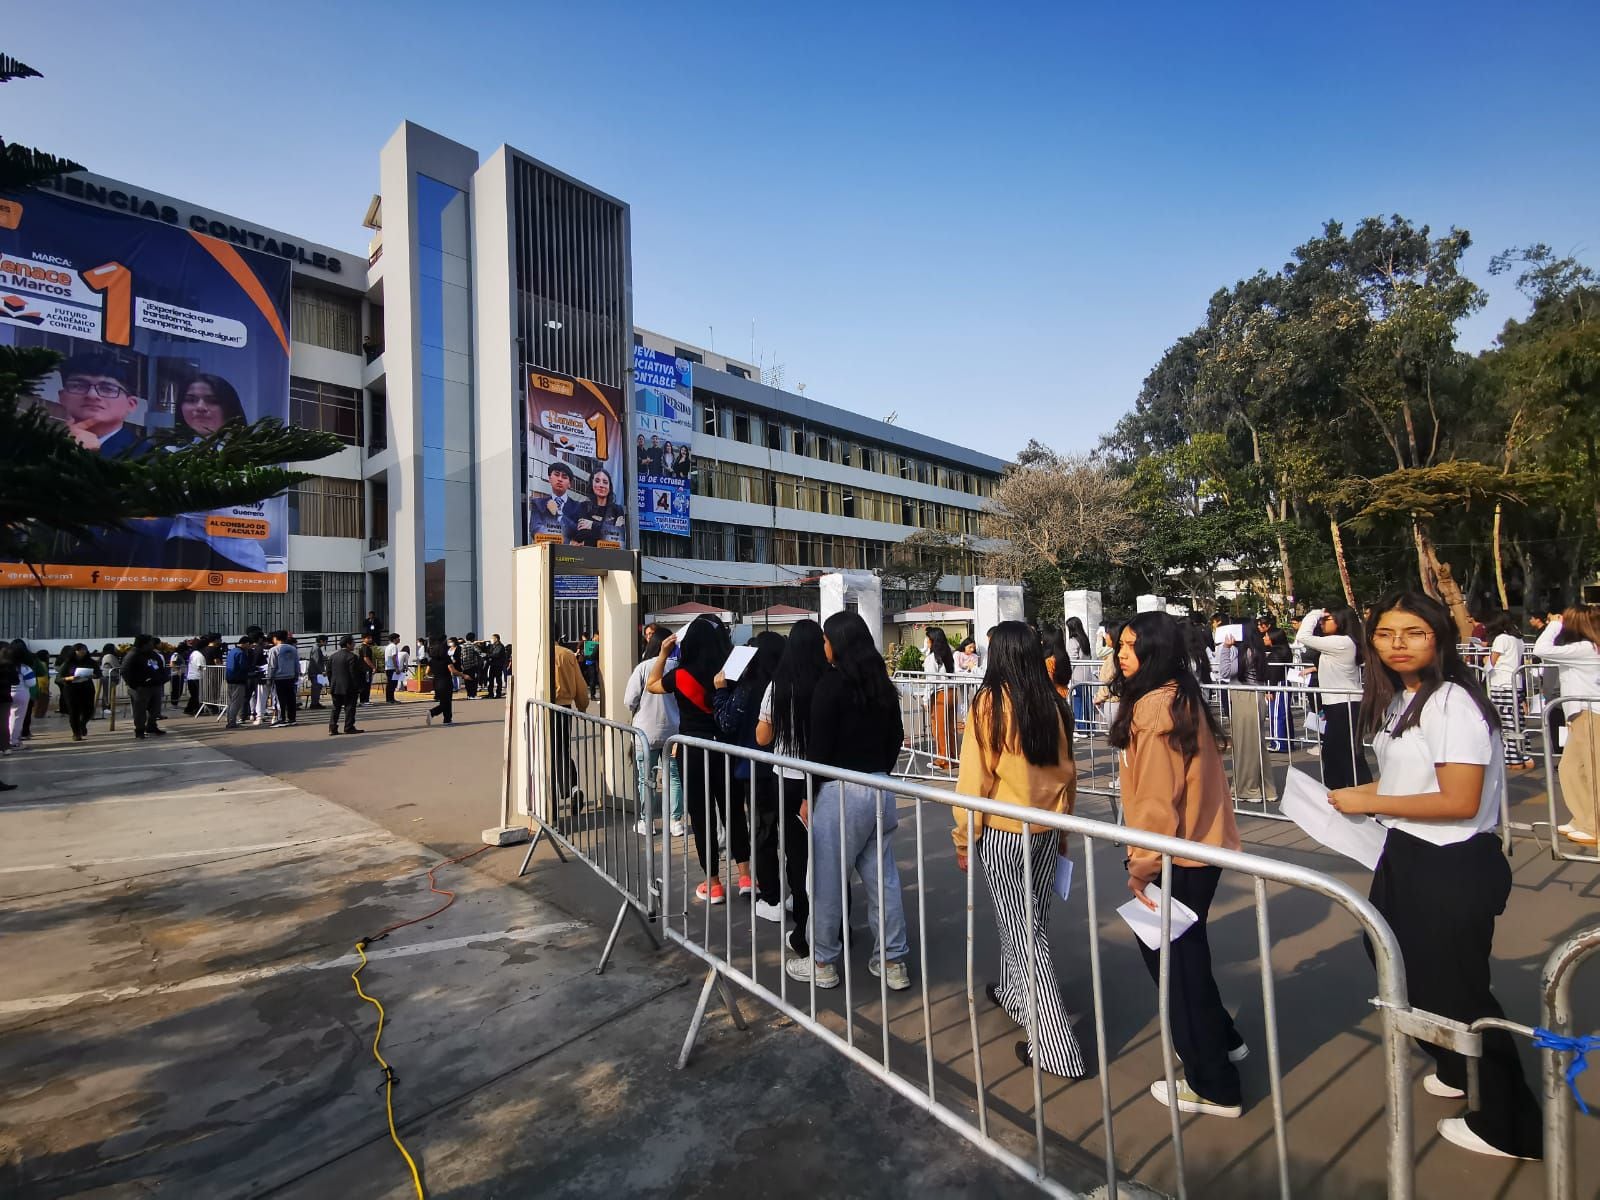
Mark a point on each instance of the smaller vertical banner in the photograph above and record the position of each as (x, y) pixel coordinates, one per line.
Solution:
(663, 408)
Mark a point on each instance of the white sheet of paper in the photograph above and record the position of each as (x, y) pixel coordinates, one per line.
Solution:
(1146, 922)
(1063, 876)
(1305, 802)
(1223, 632)
(83, 672)
(737, 662)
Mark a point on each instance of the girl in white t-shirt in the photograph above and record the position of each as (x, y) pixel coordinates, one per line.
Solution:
(1505, 667)
(1442, 879)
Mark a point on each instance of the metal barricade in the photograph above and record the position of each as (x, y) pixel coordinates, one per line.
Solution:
(1572, 778)
(746, 949)
(213, 691)
(933, 710)
(585, 791)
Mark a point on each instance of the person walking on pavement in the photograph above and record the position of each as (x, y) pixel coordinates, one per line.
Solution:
(494, 656)
(391, 668)
(347, 675)
(78, 674)
(178, 668)
(470, 660)
(367, 652)
(283, 667)
(144, 670)
(570, 692)
(317, 671)
(237, 673)
(441, 669)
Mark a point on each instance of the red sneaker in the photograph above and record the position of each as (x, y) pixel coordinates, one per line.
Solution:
(712, 894)
(746, 887)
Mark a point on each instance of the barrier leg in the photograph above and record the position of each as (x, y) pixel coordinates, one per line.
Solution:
(538, 835)
(714, 979)
(616, 929)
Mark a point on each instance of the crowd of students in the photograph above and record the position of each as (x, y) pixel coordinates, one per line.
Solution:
(1393, 678)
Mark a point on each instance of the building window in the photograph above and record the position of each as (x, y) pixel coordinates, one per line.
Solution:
(732, 369)
(708, 418)
(326, 319)
(378, 500)
(324, 507)
(326, 406)
(690, 355)
(378, 424)
(774, 435)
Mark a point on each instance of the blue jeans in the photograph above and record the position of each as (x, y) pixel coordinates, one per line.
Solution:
(847, 814)
(649, 802)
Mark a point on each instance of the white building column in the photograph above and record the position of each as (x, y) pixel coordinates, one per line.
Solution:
(1085, 605)
(991, 604)
(1150, 604)
(862, 587)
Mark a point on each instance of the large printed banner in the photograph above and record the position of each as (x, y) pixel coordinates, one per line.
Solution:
(663, 416)
(574, 462)
(166, 336)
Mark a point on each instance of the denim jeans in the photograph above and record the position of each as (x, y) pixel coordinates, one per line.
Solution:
(649, 801)
(846, 814)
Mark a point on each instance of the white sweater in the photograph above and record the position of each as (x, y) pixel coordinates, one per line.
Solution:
(1337, 672)
(1578, 664)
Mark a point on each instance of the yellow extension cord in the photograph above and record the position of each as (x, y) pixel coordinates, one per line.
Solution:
(388, 1074)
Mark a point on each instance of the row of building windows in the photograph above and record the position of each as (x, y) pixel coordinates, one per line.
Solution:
(743, 601)
(756, 485)
(325, 507)
(326, 406)
(717, 416)
(718, 541)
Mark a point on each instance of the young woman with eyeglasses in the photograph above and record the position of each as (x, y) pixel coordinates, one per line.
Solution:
(1442, 879)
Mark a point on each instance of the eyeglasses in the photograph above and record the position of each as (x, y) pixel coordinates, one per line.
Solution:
(1402, 637)
(106, 389)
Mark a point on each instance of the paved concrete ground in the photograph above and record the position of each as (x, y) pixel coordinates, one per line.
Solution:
(544, 1080)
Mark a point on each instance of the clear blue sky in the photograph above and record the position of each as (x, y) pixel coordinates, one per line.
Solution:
(992, 218)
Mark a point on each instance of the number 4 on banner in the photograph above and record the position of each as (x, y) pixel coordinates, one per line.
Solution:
(598, 424)
(115, 282)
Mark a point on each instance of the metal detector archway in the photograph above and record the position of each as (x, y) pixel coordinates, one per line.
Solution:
(534, 572)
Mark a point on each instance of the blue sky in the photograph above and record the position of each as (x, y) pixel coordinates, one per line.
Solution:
(992, 219)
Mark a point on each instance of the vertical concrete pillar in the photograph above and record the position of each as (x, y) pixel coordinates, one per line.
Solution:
(1085, 605)
(839, 589)
(993, 603)
(1150, 603)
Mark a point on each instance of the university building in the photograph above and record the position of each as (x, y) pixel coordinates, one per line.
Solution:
(416, 353)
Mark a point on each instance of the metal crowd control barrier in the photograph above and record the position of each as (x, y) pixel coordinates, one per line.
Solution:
(1572, 778)
(731, 947)
(933, 710)
(213, 691)
(584, 797)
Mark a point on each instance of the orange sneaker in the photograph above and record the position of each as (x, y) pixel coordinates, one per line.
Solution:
(746, 887)
(712, 894)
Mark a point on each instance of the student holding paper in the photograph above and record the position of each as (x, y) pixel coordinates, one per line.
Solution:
(1442, 879)
(1173, 783)
(1018, 748)
(77, 676)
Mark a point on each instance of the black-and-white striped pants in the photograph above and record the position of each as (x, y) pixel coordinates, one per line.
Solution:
(1055, 1049)
(1505, 703)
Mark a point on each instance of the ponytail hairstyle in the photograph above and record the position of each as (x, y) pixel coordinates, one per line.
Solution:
(1022, 697)
(1381, 685)
(1163, 660)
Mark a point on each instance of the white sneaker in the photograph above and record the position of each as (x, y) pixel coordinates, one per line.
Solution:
(1456, 1131)
(676, 828)
(1239, 1053)
(1435, 1086)
(899, 978)
(799, 969)
(646, 828)
(1190, 1101)
(769, 912)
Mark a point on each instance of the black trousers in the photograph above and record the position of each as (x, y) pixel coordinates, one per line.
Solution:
(1441, 902)
(443, 703)
(288, 704)
(1344, 758)
(146, 704)
(177, 686)
(389, 682)
(194, 696)
(80, 706)
(496, 683)
(705, 795)
(471, 681)
(1202, 1029)
(344, 702)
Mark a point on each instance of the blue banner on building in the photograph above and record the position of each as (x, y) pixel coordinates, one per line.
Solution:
(663, 414)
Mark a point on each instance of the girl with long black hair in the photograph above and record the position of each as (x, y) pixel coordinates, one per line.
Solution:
(695, 680)
(1251, 778)
(943, 717)
(1337, 638)
(1082, 654)
(855, 726)
(1057, 660)
(1018, 749)
(1173, 783)
(784, 727)
(754, 786)
(1442, 879)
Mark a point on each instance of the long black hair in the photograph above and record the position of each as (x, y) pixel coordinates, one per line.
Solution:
(1038, 714)
(1502, 623)
(804, 661)
(1381, 685)
(856, 658)
(1080, 636)
(703, 649)
(1196, 641)
(1158, 643)
(939, 647)
(1347, 622)
(1053, 645)
(758, 672)
(223, 396)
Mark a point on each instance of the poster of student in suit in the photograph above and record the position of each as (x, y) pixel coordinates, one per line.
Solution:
(574, 462)
(166, 336)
